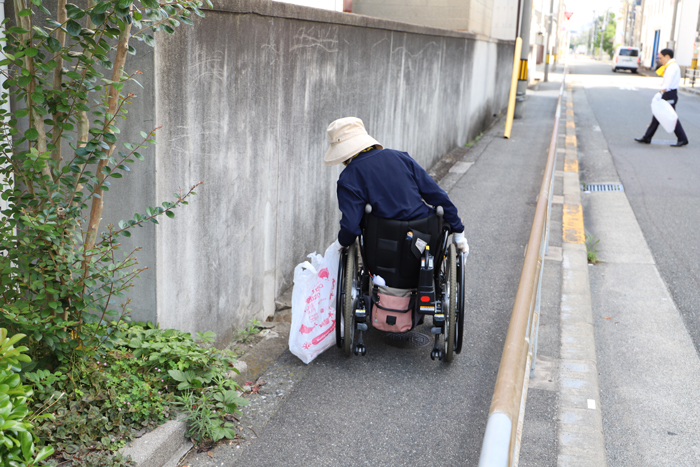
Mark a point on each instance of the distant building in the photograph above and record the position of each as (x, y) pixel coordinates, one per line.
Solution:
(463, 15)
(658, 29)
(335, 5)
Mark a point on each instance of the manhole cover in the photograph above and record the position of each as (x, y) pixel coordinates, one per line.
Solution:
(407, 340)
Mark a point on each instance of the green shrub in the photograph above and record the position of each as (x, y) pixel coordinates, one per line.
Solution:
(100, 404)
(17, 447)
(58, 154)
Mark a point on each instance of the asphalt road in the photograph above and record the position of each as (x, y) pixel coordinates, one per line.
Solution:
(397, 407)
(662, 183)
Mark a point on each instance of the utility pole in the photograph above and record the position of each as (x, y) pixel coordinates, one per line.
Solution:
(638, 39)
(549, 35)
(594, 28)
(560, 14)
(672, 42)
(633, 22)
(602, 35)
(524, 54)
(627, 22)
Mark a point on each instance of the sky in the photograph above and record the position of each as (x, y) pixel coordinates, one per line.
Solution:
(583, 11)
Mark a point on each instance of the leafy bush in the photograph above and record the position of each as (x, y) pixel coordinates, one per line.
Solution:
(16, 438)
(58, 153)
(100, 405)
(209, 412)
(59, 273)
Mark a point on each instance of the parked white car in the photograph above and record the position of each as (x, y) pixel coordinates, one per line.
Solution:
(626, 58)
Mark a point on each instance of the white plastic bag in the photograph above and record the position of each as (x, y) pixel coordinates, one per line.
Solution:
(664, 113)
(313, 305)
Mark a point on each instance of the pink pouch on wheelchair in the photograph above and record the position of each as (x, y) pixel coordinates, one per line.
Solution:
(392, 313)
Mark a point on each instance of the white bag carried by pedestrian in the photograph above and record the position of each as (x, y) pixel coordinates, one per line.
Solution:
(664, 113)
(313, 305)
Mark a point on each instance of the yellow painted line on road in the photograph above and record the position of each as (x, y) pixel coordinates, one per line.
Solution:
(573, 224)
(570, 104)
(571, 140)
(570, 124)
(571, 165)
(569, 113)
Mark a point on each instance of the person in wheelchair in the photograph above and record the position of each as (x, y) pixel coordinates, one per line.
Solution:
(403, 219)
(392, 182)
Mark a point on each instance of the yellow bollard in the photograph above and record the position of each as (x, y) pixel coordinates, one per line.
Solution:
(513, 87)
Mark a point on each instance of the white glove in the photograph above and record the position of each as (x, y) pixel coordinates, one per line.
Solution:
(461, 241)
(336, 245)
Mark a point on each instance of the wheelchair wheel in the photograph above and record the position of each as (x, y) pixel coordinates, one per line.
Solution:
(339, 296)
(460, 303)
(451, 296)
(349, 299)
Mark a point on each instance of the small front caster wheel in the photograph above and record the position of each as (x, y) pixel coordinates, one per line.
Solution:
(360, 350)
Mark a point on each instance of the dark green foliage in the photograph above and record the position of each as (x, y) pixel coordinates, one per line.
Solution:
(95, 380)
(57, 272)
(17, 447)
(99, 405)
(608, 35)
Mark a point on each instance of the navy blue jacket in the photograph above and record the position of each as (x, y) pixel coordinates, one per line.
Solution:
(395, 185)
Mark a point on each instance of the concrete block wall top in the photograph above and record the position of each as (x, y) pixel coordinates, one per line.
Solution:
(291, 11)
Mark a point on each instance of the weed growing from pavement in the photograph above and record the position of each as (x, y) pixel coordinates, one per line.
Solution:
(244, 335)
(210, 411)
(244, 338)
(476, 140)
(591, 250)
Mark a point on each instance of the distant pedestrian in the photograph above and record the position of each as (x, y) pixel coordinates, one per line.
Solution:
(669, 92)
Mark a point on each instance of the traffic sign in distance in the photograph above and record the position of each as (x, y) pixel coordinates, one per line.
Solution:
(568, 14)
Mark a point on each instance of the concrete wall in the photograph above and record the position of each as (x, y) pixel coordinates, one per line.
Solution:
(244, 98)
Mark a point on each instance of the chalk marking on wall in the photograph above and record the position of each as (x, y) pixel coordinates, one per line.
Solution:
(200, 133)
(316, 37)
(379, 42)
(270, 48)
(403, 49)
(209, 67)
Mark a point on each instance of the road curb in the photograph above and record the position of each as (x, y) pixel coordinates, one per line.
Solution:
(156, 448)
(580, 424)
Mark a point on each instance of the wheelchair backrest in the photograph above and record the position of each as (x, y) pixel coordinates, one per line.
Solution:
(390, 250)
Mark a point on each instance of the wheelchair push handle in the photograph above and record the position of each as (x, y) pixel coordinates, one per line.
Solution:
(439, 211)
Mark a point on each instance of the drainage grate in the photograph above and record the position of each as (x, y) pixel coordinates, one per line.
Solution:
(602, 187)
(407, 340)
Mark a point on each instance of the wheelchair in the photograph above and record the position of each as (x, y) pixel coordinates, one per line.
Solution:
(401, 252)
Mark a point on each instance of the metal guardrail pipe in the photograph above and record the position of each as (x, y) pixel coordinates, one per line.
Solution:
(691, 74)
(513, 87)
(501, 444)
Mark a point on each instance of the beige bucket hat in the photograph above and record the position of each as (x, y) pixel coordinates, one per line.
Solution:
(347, 137)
